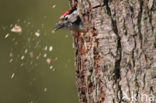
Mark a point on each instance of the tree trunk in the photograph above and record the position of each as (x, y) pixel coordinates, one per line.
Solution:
(116, 57)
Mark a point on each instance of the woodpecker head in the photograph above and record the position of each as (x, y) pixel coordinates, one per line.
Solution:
(69, 20)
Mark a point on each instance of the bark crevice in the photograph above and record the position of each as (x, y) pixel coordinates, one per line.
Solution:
(139, 21)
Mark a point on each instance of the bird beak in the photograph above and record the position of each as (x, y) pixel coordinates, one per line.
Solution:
(58, 26)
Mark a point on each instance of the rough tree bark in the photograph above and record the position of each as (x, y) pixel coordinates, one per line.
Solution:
(116, 57)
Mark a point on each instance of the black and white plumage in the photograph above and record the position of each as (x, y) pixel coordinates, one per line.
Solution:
(70, 20)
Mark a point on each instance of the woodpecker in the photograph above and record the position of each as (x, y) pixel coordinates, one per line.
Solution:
(70, 20)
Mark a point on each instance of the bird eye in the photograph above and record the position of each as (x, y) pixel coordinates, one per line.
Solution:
(66, 18)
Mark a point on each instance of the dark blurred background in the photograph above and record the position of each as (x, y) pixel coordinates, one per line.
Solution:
(36, 64)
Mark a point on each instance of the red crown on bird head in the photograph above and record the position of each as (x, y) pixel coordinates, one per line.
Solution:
(66, 13)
